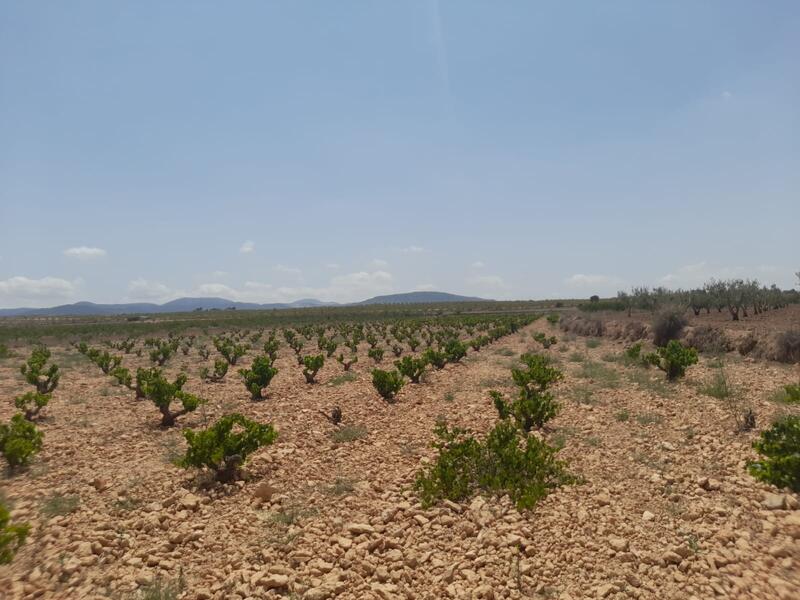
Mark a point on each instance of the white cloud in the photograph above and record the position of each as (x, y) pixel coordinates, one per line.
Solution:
(42, 291)
(425, 287)
(247, 247)
(218, 290)
(150, 291)
(487, 280)
(84, 253)
(333, 266)
(581, 280)
(288, 270)
(478, 264)
(380, 263)
(412, 250)
(219, 274)
(726, 95)
(341, 288)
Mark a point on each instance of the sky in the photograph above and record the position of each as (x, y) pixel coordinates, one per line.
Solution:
(271, 151)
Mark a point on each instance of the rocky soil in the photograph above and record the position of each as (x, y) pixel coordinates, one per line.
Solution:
(665, 508)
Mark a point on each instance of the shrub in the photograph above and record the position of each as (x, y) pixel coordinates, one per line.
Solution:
(271, 347)
(673, 359)
(387, 383)
(161, 352)
(788, 347)
(12, 536)
(545, 341)
(454, 350)
(506, 462)
(792, 393)
(20, 440)
(376, 354)
(220, 370)
(163, 394)
(258, 376)
(534, 404)
(667, 326)
(107, 362)
(230, 350)
(633, 355)
(347, 362)
(311, 366)
(223, 447)
(435, 357)
(31, 403)
(708, 339)
(123, 376)
(35, 373)
(411, 367)
(780, 448)
(553, 318)
(143, 379)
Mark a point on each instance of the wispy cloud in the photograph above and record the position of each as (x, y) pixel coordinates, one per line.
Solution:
(487, 281)
(412, 250)
(478, 264)
(23, 289)
(287, 270)
(247, 247)
(380, 263)
(150, 291)
(84, 253)
(582, 280)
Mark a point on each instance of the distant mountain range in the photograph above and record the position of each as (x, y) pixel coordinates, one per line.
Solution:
(192, 304)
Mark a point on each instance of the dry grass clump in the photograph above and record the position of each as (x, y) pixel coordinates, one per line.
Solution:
(788, 347)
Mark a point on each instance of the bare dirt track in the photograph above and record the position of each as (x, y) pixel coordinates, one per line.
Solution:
(666, 508)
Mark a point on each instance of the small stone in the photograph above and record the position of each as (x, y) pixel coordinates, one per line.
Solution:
(648, 516)
(358, 528)
(605, 590)
(190, 502)
(264, 491)
(774, 501)
(618, 544)
(671, 558)
(780, 550)
(274, 582)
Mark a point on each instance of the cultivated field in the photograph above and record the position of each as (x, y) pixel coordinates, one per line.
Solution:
(656, 500)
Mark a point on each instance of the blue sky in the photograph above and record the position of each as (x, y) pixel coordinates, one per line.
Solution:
(269, 151)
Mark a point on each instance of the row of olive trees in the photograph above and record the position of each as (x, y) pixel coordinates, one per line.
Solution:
(737, 296)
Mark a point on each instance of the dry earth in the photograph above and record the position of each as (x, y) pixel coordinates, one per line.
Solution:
(666, 508)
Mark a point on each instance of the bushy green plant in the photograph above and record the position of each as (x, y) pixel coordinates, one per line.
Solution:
(162, 351)
(35, 373)
(376, 354)
(143, 378)
(454, 349)
(20, 440)
(545, 341)
(792, 393)
(387, 383)
(31, 403)
(163, 394)
(107, 362)
(779, 448)
(534, 404)
(633, 355)
(230, 350)
(311, 366)
(673, 359)
(347, 362)
(435, 357)
(506, 462)
(411, 367)
(12, 536)
(220, 370)
(553, 318)
(258, 376)
(224, 447)
(123, 376)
